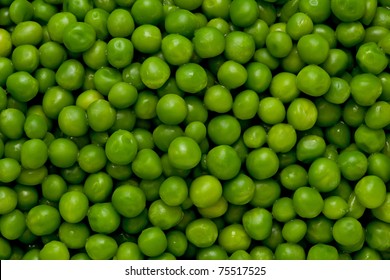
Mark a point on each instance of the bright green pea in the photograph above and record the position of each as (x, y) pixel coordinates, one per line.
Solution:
(164, 216)
(12, 224)
(73, 206)
(73, 235)
(101, 247)
(103, 218)
(239, 190)
(322, 252)
(293, 176)
(307, 202)
(128, 251)
(9, 170)
(369, 140)
(173, 191)
(371, 58)
(347, 231)
(294, 230)
(121, 147)
(217, 159)
(255, 219)
(289, 251)
(324, 174)
(202, 232)
(98, 187)
(152, 241)
(43, 220)
(335, 207)
(247, 99)
(128, 200)
(34, 154)
(54, 250)
(371, 191)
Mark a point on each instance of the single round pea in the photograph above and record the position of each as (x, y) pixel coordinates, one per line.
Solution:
(294, 230)
(283, 209)
(322, 252)
(371, 191)
(73, 206)
(101, 247)
(202, 232)
(369, 140)
(152, 241)
(173, 191)
(348, 231)
(34, 154)
(128, 251)
(255, 219)
(121, 147)
(232, 74)
(319, 230)
(365, 88)
(335, 207)
(184, 153)
(92, 158)
(261, 253)
(120, 17)
(74, 236)
(289, 251)
(293, 176)
(54, 250)
(205, 191)
(128, 200)
(9, 170)
(234, 237)
(262, 163)
(43, 220)
(63, 152)
(103, 218)
(266, 192)
(53, 187)
(217, 159)
(302, 114)
(164, 216)
(307, 202)
(12, 224)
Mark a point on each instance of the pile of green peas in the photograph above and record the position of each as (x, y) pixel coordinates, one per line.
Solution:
(194, 129)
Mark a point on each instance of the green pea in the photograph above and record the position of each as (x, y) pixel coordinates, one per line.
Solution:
(54, 250)
(307, 202)
(73, 235)
(129, 251)
(12, 224)
(164, 216)
(98, 187)
(43, 220)
(121, 147)
(289, 251)
(128, 200)
(370, 191)
(9, 170)
(322, 252)
(369, 140)
(101, 247)
(214, 252)
(319, 230)
(152, 241)
(257, 218)
(283, 209)
(202, 232)
(266, 192)
(103, 218)
(261, 253)
(234, 237)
